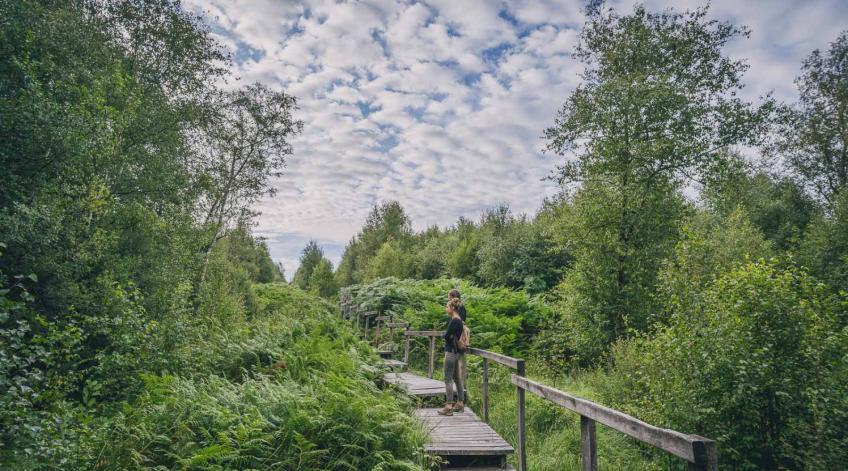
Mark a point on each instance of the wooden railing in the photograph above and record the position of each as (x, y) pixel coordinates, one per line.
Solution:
(518, 365)
(432, 334)
(699, 452)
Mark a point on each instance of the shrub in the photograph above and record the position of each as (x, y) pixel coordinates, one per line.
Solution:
(756, 369)
(291, 389)
(499, 318)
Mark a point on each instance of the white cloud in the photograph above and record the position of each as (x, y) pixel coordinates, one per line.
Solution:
(441, 105)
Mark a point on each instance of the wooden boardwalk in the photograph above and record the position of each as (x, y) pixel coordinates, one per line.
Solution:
(467, 443)
(461, 434)
(415, 385)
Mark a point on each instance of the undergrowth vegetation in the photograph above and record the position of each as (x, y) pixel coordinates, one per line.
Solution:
(290, 389)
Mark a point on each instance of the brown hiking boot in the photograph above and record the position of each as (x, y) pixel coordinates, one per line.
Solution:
(447, 410)
(459, 406)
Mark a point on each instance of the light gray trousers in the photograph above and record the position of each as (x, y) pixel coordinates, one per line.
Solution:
(454, 376)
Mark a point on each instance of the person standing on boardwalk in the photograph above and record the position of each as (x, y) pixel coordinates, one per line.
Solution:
(453, 356)
(454, 294)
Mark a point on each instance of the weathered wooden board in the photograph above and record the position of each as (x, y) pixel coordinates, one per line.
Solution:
(461, 434)
(415, 385)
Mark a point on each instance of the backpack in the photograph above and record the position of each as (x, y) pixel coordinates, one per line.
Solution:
(464, 340)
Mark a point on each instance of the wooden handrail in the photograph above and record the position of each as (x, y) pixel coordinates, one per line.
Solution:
(497, 357)
(699, 452)
(424, 333)
(518, 365)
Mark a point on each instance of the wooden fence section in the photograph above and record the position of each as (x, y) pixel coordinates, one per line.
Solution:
(699, 452)
(432, 334)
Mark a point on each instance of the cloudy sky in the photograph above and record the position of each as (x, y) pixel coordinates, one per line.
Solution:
(441, 105)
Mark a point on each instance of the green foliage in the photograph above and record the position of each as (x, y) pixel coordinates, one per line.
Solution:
(709, 247)
(386, 224)
(389, 260)
(499, 250)
(657, 104)
(141, 339)
(322, 282)
(310, 257)
(756, 368)
(250, 253)
(610, 291)
(778, 207)
(289, 389)
(812, 135)
(315, 272)
(500, 319)
(825, 246)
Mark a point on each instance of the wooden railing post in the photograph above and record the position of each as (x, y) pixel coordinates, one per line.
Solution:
(705, 456)
(522, 431)
(588, 445)
(365, 333)
(486, 390)
(406, 346)
(432, 357)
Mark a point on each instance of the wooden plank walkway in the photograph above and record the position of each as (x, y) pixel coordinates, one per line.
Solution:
(415, 385)
(463, 433)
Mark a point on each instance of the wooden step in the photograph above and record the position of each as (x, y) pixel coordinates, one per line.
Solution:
(418, 386)
(462, 434)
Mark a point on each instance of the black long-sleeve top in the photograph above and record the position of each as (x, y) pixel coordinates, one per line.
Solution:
(452, 334)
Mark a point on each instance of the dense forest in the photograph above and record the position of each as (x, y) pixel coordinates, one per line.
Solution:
(692, 272)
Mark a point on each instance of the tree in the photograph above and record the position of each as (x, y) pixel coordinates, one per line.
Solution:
(386, 222)
(778, 206)
(463, 261)
(710, 245)
(310, 257)
(813, 135)
(430, 254)
(390, 260)
(824, 249)
(656, 107)
(244, 142)
(321, 281)
(758, 364)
